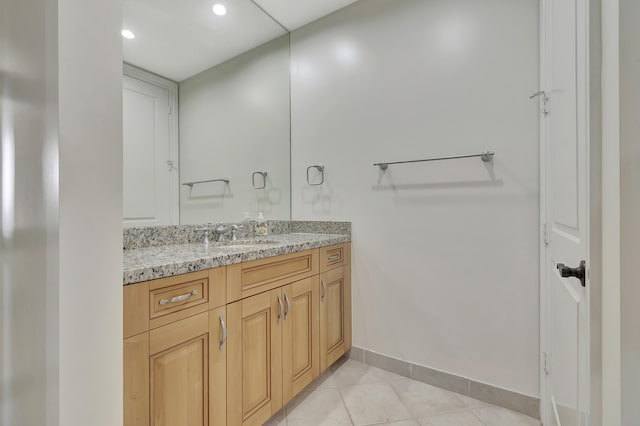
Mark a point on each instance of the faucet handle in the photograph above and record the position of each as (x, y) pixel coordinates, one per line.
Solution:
(234, 231)
(206, 230)
(219, 231)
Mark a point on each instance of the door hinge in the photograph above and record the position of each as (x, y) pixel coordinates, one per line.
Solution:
(545, 233)
(547, 363)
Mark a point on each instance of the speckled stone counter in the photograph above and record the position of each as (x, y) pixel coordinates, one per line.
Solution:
(150, 263)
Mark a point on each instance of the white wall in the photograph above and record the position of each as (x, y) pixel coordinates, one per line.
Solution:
(28, 213)
(61, 224)
(595, 214)
(445, 254)
(234, 120)
(611, 370)
(90, 96)
(630, 207)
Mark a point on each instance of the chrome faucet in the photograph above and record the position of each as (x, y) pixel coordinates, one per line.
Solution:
(234, 231)
(206, 230)
(220, 232)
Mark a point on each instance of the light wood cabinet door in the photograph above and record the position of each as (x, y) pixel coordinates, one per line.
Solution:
(254, 358)
(300, 338)
(335, 315)
(136, 380)
(218, 366)
(179, 373)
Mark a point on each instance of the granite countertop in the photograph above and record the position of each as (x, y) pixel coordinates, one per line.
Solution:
(151, 263)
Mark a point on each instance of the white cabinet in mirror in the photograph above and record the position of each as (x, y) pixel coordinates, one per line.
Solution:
(206, 106)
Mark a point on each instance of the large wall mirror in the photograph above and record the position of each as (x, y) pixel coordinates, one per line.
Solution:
(206, 112)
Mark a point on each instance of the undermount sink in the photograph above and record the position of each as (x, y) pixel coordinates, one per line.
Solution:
(244, 243)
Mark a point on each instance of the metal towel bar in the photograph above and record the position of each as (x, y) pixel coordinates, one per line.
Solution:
(485, 156)
(225, 180)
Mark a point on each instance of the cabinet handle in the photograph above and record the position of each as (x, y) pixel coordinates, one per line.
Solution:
(324, 290)
(224, 332)
(180, 298)
(334, 257)
(288, 305)
(281, 309)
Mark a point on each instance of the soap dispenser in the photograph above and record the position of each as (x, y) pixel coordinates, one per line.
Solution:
(261, 225)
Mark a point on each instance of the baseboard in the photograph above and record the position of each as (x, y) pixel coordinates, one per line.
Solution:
(505, 398)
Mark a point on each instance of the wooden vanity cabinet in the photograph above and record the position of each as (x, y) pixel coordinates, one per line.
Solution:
(232, 345)
(301, 329)
(174, 356)
(254, 364)
(335, 314)
(257, 276)
(178, 373)
(136, 380)
(332, 257)
(218, 349)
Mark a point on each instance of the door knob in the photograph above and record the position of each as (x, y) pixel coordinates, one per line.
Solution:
(579, 272)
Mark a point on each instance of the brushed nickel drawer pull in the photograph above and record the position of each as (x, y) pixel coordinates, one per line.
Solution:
(180, 298)
(324, 290)
(334, 257)
(224, 332)
(281, 309)
(288, 306)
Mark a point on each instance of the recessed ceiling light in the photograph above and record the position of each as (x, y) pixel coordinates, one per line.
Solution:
(219, 9)
(128, 34)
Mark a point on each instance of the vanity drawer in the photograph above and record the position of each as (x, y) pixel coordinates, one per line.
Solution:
(335, 256)
(250, 278)
(174, 298)
(167, 300)
(152, 304)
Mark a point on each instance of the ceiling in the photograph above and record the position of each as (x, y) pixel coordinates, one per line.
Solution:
(180, 38)
(294, 14)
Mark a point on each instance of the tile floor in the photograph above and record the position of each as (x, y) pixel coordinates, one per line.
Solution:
(353, 393)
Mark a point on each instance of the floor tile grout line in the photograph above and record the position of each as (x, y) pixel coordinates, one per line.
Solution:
(413, 417)
(401, 401)
(454, 394)
(517, 413)
(477, 417)
(467, 391)
(344, 403)
(382, 381)
(389, 382)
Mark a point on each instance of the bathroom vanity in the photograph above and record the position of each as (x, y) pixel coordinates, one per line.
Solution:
(233, 341)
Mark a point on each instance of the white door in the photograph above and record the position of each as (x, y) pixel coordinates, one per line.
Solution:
(150, 172)
(565, 307)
